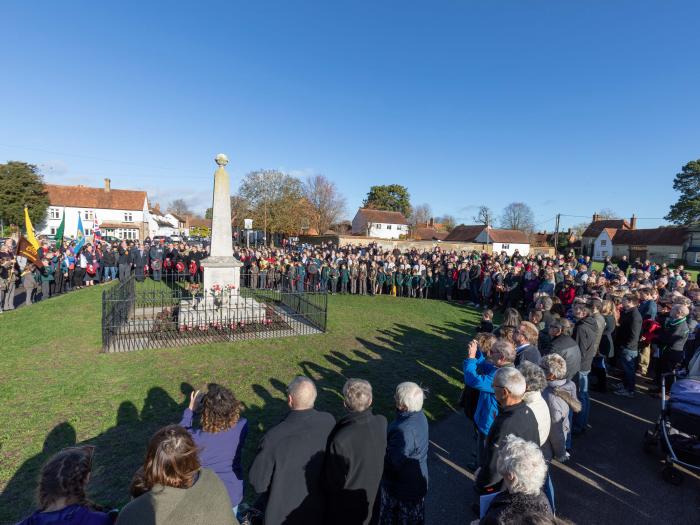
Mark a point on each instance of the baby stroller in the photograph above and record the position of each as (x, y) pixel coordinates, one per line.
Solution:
(678, 428)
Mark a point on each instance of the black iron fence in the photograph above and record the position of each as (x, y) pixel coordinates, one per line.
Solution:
(142, 313)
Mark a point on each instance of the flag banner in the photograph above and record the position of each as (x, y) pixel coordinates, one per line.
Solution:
(26, 249)
(30, 229)
(59, 232)
(96, 233)
(80, 236)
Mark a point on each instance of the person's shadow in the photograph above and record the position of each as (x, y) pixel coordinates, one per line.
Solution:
(19, 492)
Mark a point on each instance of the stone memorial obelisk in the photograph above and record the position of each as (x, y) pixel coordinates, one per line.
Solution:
(221, 267)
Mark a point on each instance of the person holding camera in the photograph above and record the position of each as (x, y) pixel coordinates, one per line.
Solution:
(220, 435)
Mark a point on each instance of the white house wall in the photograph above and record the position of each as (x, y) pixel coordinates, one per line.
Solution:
(103, 215)
(510, 247)
(603, 247)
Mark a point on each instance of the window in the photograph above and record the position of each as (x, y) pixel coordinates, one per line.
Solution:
(52, 231)
(88, 232)
(697, 257)
(378, 226)
(127, 234)
(54, 213)
(388, 226)
(128, 217)
(603, 242)
(505, 246)
(89, 215)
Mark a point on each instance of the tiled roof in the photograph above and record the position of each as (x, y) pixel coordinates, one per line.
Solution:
(113, 225)
(95, 198)
(465, 233)
(196, 222)
(428, 234)
(596, 227)
(382, 216)
(664, 236)
(514, 236)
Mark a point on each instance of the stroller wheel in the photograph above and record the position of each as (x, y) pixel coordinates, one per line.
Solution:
(671, 475)
(650, 442)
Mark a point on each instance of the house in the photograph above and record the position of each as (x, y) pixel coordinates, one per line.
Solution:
(379, 223)
(119, 213)
(500, 240)
(598, 224)
(200, 227)
(663, 244)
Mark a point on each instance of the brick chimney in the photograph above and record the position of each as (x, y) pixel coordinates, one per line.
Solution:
(596, 217)
(633, 222)
(108, 185)
(432, 222)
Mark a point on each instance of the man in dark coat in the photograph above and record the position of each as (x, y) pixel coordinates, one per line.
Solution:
(627, 334)
(139, 260)
(514, 417)
(586, 337)
(124, 261)
(525, 337)
(156, 256)
(354, 459)
(287, 468)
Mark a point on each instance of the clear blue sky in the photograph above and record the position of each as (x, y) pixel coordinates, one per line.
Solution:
(570, 106)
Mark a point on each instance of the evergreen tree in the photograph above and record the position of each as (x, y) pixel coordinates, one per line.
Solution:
(22, 185)
(687, 182)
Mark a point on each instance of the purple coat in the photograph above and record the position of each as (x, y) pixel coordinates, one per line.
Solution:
(221, 452)
(70, 515)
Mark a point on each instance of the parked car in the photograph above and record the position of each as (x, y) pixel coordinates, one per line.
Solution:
(163, 239)
(111, 239)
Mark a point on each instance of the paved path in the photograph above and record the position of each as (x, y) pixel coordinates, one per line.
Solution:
(609, 479)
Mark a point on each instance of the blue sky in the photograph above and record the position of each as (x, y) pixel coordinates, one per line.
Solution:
(567, 106)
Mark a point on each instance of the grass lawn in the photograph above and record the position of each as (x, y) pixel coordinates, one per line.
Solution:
(58, 389)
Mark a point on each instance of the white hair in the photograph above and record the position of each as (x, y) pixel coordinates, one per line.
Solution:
(357, 394)
(511, 379)
(522, 465)
(553, 364)
(409, 396)
(303, 392)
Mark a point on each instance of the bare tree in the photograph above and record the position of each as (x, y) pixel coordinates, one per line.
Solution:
(325, 200)
(607, 213)
(179, 207)
(518, 216)
(448, 222)
(421, 214)
(484, 216)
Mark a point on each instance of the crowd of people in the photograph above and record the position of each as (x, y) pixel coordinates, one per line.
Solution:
(563, 329)
(566, 334)
(308, 469)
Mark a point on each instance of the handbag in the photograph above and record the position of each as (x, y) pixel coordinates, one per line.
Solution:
(468, 400)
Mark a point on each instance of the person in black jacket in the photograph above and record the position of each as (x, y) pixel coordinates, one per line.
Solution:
(562, 344)
(124, 262)
(287, 469)
(514, 417)
(671, 342)
(354, 459)
(627, 334)
(525, 337)
(586, 337)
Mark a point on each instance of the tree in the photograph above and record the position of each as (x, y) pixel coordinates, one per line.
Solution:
(484, 216)
(393, 197)
(687, 182)
(448, 222)
(276, 201)
(518, 216)
(22, 185)
(421, 215)
(180, 207)
(606, 214)
(209, 214)
(325, 200)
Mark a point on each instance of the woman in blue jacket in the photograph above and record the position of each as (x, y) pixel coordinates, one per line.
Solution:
(478, 374)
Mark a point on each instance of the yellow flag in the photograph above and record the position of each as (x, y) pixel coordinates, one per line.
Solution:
(30, 229)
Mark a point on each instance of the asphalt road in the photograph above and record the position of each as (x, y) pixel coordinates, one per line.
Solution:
(608, 480)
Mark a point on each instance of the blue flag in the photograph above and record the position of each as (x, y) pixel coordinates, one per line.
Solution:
(80, 237)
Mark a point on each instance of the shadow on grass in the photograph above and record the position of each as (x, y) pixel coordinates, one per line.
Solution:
(400, 353)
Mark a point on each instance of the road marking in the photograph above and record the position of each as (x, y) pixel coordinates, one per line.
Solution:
(643, 420)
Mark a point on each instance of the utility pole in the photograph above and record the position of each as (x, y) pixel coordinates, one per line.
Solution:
(556, 235)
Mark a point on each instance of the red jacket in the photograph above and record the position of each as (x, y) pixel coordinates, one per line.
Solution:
(566, 295)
